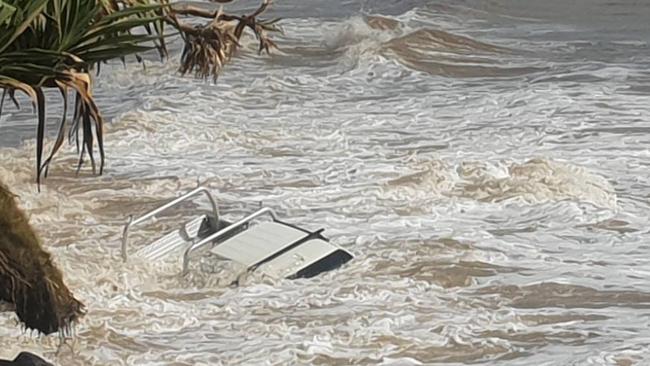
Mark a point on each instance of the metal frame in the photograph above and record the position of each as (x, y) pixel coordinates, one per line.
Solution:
(149, 215)
(226, 230)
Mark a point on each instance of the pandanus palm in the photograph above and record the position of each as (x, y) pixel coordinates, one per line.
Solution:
(53, 43)
(56, 44)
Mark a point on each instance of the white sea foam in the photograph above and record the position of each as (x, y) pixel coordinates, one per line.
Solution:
(495, 219)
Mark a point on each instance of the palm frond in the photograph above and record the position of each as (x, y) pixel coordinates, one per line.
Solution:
(56, 43)
(23, 14)
(6, 13)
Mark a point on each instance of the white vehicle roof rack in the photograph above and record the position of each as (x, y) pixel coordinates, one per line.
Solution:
(276, 248)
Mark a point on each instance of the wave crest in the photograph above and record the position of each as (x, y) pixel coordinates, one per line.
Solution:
(532, 182)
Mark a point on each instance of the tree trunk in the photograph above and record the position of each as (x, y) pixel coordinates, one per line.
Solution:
(28, 278)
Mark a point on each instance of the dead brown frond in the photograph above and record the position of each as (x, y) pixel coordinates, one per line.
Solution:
(86, 118)
(205, 52)
(208, 47)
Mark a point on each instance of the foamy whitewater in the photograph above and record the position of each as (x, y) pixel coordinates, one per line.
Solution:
(486, 162)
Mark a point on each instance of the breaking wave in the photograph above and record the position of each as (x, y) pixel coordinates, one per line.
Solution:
(496, 217)
(361, 40)
(532, 182)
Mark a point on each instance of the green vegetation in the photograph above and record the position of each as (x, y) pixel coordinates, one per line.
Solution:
(57, 43)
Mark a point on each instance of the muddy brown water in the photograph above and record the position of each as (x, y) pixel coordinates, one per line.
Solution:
(486, 162)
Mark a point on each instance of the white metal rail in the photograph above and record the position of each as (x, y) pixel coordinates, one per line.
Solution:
(132, 222)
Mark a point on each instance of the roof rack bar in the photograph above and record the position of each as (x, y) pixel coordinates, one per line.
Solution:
(226, 230)
(148, 215)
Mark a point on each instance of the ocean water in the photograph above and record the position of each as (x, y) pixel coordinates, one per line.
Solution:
(486, 161)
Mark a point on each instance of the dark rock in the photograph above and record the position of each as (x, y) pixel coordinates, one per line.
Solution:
(26, 359)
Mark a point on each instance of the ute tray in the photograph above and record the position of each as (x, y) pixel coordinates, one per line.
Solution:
(276, 248)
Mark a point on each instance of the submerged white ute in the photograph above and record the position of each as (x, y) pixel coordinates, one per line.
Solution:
(276, 248)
